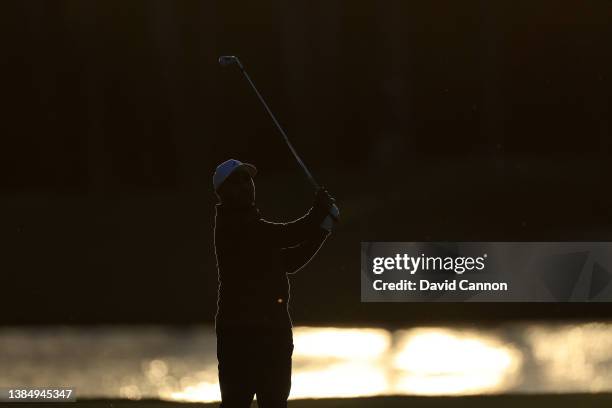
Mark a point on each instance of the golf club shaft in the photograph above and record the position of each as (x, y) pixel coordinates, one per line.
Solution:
(280, 129)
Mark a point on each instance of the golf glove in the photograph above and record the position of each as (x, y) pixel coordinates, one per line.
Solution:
(330, 220)
(323, 200)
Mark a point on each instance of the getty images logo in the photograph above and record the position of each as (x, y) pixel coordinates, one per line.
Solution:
(412, 264)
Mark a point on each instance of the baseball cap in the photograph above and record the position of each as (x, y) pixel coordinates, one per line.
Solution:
(226, 168)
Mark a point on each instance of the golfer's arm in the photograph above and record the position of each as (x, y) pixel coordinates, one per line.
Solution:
(295, 258)
(292, 233)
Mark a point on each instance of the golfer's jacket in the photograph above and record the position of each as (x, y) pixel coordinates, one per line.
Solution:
(254, 257)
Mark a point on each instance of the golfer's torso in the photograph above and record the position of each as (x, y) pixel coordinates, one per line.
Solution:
(253, 288)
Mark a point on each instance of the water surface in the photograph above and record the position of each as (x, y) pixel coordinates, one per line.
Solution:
(180, 364)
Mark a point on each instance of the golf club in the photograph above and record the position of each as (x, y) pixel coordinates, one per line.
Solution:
(226, 60)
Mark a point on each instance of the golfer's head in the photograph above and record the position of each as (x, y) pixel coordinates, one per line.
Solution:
(233, 182)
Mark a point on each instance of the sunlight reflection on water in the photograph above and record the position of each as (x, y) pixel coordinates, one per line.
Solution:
(443, 361)
(180, 364)
(331, 362)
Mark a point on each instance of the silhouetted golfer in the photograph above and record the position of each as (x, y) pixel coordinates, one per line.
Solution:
(254, 256)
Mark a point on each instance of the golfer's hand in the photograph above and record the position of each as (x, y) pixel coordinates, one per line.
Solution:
(323, 200)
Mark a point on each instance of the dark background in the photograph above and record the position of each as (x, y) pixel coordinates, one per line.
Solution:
(428, 120)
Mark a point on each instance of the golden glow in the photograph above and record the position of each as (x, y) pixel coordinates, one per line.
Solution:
(334, 362)
(201, 386)
(131, 392)
(446, 362)
(327, 362)
(574, 357)
(347, 379)
(352, 344)
(156, 371)
(202, 392)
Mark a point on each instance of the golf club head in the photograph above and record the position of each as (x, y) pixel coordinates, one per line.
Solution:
(226, 60)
